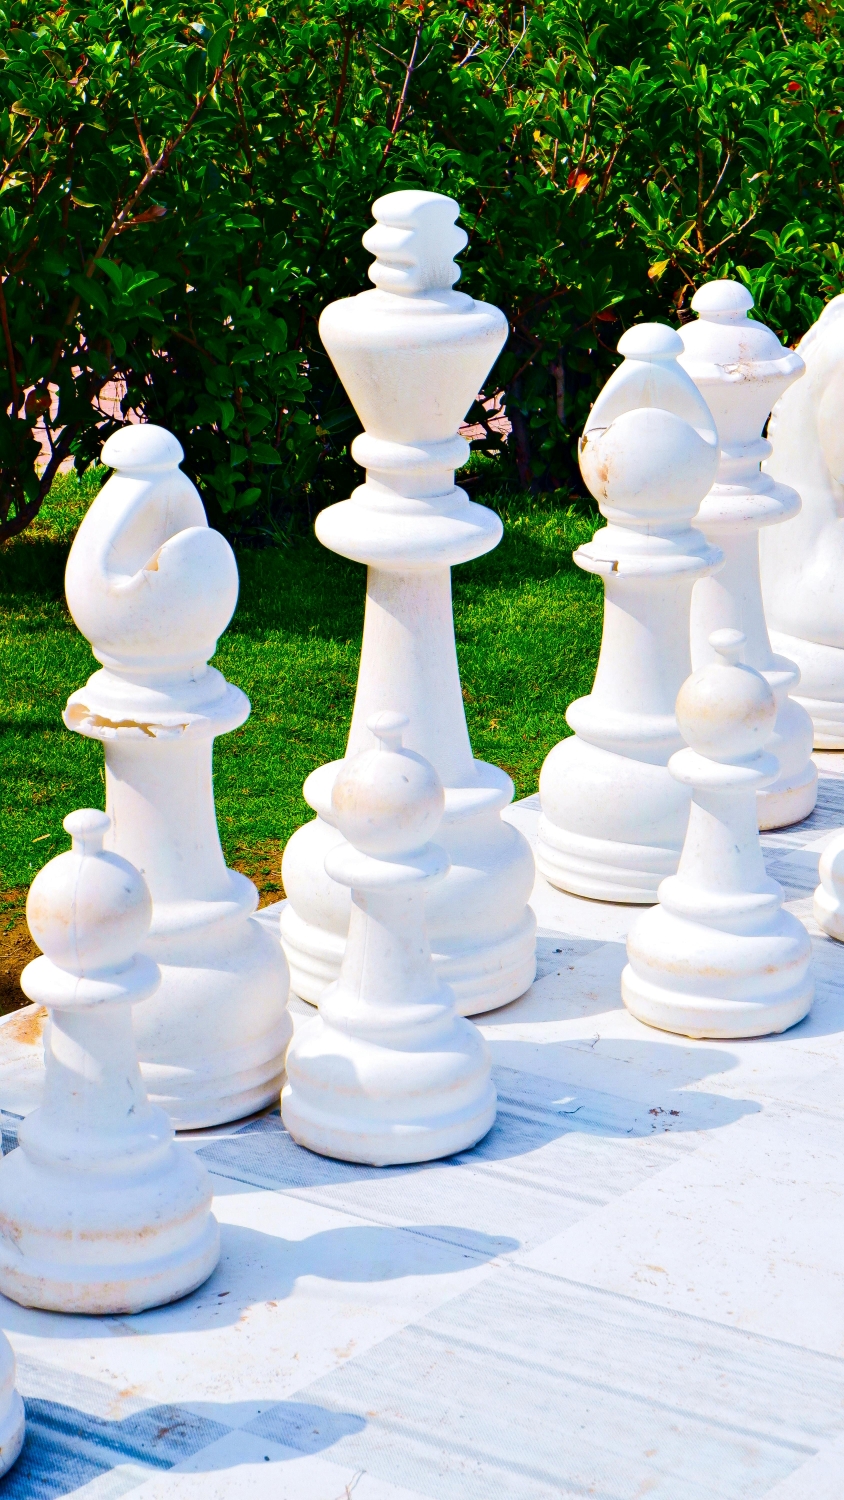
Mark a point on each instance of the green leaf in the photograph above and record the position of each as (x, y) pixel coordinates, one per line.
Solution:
(216, 48)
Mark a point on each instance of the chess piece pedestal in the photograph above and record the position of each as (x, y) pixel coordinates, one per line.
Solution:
(412, 355)
(802, 561)
(152, 587)
(388, 1072)
(613, 819)
(740, 368)
(718, 956)
(102, 1211)
(12, 1417)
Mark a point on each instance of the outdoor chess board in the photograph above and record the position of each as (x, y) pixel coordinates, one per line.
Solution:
(633, 1287)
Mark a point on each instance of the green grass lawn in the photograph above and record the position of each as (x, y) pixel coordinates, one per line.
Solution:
(528, 628)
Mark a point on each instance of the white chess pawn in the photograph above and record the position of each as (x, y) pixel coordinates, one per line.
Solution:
(101, 1211)
(12, 1418)
(152, 587)
(412, 354)
(613, 819)
(718, 957)
(803, 560)
(388, 1072)
(741, 368)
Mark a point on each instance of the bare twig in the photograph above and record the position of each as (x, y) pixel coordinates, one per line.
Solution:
(408, 73)
(720, 179)
(513, 50)
(21, 148)
(341, 88)
(10, 352)
(471, 53)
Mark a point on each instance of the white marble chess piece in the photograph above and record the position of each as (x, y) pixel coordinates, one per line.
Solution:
(152, 587)
(613, 819)
(412, 354)
(388, 1072)
(803, 560)
(12, 1417)
(101, 1211)
(718, 957)
(741, 368)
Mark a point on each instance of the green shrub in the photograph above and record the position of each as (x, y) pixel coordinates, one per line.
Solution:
(184, 190)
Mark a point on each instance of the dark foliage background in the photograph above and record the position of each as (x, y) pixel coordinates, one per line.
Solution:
(184, 188)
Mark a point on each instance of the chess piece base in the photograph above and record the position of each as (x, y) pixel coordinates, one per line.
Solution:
(357, 1101)
(211, 1041)
(789, 800)
(584, 784)
(12, 1432)
(144, 1241)
(821, 686)
(702, 981)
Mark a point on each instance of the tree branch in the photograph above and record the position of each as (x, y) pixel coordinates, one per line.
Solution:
(403, 96)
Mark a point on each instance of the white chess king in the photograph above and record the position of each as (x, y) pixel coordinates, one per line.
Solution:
(803, 559)
(718, 956)
(740, 368)
(152, 587)
(613, 819)
(412, 355)
(101, 1211)
(388, 1072)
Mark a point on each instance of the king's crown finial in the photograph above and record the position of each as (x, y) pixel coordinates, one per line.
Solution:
(414, 240)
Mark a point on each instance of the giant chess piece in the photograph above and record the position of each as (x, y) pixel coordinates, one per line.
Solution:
(741, 368)
(412, 355)
(613, 819)
(152, 587)
(802, 561)
(101, 1211)
(718, 957)
(12, 1418)
(388, 1072)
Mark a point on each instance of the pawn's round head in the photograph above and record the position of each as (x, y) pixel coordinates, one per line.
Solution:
(388, 801)
(142, 447)
(726, 710)
(723, 301)
(89, 910)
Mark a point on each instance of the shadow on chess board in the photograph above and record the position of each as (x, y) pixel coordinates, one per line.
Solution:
(69, 1447)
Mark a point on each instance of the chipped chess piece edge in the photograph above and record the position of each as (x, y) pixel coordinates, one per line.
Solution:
(388, 1073)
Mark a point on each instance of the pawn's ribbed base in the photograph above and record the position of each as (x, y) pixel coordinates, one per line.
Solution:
(709, 1016)
(372, 1143)
(789, 800)
(77, 1242)
(359, 1099)
(602, 869)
